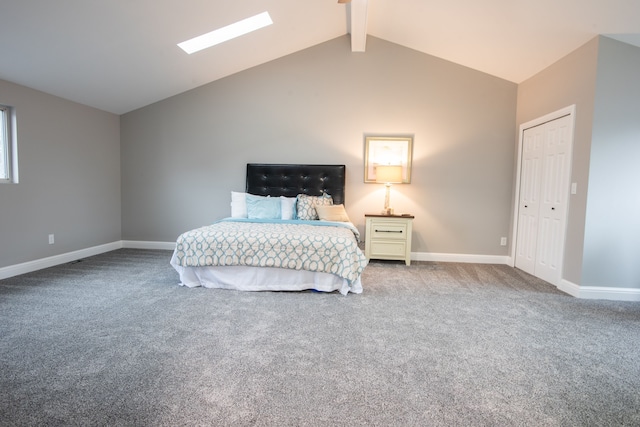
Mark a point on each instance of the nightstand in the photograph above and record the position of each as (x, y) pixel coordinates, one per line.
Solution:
(388, 237)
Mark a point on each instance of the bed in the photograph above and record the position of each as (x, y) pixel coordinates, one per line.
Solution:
(287, 232)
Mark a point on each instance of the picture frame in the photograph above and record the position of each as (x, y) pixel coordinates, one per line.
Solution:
(387, 150)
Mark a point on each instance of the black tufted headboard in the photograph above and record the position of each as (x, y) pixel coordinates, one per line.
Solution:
(291, 180)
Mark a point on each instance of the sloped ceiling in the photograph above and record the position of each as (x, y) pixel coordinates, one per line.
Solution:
(121, 55)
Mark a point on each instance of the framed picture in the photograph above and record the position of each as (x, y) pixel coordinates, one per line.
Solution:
(387, 151)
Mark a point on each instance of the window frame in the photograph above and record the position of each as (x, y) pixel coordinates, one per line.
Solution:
(9, 149)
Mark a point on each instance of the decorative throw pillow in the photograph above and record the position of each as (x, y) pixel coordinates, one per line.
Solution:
(259, 207)
(306, 205)
(332, 213)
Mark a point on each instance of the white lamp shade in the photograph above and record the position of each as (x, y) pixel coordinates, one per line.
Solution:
(389, 174)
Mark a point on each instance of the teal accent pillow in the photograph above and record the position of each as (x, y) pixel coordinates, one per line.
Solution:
(259, 207)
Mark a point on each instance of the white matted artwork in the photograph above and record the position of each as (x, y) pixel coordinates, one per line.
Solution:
(387, 150)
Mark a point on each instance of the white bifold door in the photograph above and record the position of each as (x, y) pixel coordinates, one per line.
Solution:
(543, 198)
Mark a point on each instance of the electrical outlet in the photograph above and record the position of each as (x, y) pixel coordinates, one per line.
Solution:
(503, 241)
(51, 239)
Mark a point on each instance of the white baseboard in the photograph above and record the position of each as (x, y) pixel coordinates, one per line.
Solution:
(39, 264)
(27, 267)
(477, 259)
(139, 244)
(569, 288)
(600, 292)
(586, 292)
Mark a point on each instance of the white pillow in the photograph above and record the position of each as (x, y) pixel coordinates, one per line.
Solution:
(288, 207)
(238, 205)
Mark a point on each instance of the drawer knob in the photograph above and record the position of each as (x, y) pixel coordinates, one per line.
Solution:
(388, 231)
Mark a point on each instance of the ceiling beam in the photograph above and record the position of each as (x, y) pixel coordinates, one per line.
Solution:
(358, 9)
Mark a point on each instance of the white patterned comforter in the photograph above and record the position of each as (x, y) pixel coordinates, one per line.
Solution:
(318, 246)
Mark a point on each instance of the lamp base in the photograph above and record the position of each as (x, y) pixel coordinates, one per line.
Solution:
(387, 210)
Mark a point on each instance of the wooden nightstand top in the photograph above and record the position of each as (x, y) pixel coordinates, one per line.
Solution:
(389, 216)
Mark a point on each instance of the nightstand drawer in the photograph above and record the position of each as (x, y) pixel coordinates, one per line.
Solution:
(388, 249)
(386, 230)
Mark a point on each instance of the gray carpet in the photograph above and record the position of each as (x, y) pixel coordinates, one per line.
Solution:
(112, 340)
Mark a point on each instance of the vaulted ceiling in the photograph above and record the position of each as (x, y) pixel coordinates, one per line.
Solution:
(119, 55)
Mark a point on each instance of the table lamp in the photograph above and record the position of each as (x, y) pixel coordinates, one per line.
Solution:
(387, 175)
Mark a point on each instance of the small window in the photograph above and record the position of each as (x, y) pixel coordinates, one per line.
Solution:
(8, 164)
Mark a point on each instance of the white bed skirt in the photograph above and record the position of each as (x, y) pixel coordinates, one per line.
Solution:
(243, 278)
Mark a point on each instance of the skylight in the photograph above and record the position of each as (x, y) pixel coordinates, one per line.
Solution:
(226, 33)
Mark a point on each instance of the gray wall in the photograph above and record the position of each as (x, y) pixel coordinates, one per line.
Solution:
(69, 162)
(569, 81)
(603, 236)
(182, 156)
(612, 234)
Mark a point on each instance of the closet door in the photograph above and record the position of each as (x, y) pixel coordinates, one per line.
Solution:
(544, 189)
(528, 211)
(554, 200)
